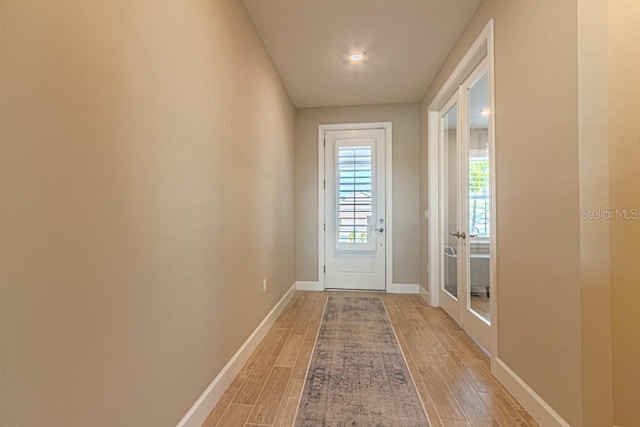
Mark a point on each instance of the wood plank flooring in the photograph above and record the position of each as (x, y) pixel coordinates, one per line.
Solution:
(452, 375)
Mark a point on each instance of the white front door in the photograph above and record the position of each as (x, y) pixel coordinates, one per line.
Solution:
(354, 193)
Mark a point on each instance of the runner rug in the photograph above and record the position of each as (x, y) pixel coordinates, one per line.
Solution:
(357, 375)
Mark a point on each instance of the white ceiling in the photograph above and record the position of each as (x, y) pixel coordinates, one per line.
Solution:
(406, 42)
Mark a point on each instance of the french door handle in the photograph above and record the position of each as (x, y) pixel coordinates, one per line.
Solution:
(459, 235)
(381, 230)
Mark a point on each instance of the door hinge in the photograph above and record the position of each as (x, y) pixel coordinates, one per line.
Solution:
(324, 184)
(324, 226)
(324, 142)
(324, 269)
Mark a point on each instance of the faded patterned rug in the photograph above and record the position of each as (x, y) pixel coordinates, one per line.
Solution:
(358, 375)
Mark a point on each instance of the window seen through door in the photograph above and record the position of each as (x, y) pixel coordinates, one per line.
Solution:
(479, 198)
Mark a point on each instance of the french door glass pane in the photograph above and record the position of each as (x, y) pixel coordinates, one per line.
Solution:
(479, 198)
(450, 201)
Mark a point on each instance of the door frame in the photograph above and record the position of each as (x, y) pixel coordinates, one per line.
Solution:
(482, 47)
(322, 128)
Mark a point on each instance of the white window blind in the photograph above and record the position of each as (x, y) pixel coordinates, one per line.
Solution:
(355, 187)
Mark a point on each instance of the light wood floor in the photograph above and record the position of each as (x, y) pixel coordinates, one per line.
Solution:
(451, 374)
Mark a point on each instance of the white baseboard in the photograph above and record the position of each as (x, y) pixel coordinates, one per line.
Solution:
(401, 288)
(309, 286)
(200, 410)
(540, 410)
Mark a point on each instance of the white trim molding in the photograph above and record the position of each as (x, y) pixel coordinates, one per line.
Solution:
(309, 286)
(540, 410)
(388, 127)
(201, 409)
(403, 288)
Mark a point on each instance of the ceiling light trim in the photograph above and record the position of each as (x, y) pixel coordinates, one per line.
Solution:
(357, 56)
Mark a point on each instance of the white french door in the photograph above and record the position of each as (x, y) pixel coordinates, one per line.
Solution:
(451, 246)
(354, 200)
(465, 199)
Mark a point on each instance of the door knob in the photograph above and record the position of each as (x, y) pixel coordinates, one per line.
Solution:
(380, 229)
(459, 235)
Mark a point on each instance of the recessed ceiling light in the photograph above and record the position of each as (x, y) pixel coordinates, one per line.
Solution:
(485, 112)
(357, 55)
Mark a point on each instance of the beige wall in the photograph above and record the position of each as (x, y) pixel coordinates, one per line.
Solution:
(406, 126)
(537, 174)
(594, 234)
(147, 187)
(624, 145)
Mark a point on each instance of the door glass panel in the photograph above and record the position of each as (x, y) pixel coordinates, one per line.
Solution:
(479, 198)
(354, 196)
(450, 201)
